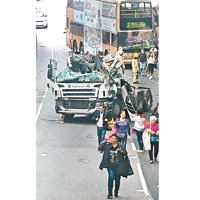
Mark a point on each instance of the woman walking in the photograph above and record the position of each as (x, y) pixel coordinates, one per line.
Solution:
(153, 129)
(113, 160)
(139, 127)
(151, 65)
(123, 128)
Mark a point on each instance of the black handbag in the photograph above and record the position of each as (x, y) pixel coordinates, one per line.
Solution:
(121, 136)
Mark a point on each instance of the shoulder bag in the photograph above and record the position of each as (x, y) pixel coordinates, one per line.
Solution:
(154, 138)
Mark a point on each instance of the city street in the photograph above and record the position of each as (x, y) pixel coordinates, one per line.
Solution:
(67, 156)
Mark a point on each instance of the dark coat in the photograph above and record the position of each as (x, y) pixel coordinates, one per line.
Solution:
(124, 168)
(97, 114)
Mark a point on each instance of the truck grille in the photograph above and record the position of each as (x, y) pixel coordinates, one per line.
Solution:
(77, 104)
(78, 92)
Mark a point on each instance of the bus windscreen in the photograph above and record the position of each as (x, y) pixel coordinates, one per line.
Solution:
(135, 16)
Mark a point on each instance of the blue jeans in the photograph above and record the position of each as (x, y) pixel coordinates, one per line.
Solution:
(142, 66)
(123, 141)
(101, 132)
(111, 177)
(139, 138)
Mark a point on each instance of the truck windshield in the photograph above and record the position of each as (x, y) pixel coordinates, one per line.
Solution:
(68, 76)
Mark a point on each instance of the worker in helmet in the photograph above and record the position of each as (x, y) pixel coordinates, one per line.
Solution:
(135, 68)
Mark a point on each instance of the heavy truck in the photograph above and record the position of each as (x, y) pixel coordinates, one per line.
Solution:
(79, 89)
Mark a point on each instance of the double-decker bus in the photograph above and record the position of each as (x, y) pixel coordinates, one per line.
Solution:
(99, 25)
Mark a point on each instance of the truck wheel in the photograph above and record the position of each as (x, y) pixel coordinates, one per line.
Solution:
(116, 110)
(68, 117)
(148, 101)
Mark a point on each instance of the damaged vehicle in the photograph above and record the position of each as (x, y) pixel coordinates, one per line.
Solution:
(79, 89)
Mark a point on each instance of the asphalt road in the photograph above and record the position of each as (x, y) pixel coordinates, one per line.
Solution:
(67, 156)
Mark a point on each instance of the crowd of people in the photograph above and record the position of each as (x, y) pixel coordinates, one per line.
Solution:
(113, 145)
(144, 62)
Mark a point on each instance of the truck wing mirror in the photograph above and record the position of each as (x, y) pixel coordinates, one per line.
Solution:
(49, 73)
(50, 66)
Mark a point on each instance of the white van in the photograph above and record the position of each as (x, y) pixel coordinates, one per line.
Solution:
(41, 20)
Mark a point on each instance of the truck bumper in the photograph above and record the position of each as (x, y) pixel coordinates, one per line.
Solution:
(62, 110)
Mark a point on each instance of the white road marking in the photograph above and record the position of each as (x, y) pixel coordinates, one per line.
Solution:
(133, 146)
(41, 104)
(43, 154)
(133, 157)
(52, 52)
(140, 190)
(144, 186)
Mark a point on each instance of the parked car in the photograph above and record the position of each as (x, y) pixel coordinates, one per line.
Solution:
(41, 20)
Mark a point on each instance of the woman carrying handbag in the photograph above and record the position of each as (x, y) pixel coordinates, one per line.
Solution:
(153, 129)
(139, 119)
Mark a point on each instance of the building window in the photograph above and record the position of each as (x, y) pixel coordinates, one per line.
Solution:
(106, 37)
(114, 40)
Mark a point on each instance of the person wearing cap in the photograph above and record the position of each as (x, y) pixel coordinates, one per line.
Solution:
(113, 155)
(139, 119)
(100, 116)
(135, 68)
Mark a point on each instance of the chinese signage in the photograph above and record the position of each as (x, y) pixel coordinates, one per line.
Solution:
(109, 24)
(135, 25)
(78, 16)
(93, 10)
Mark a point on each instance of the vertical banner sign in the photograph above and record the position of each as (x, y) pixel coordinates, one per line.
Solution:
(92, 40)
(79, 16)
(109, 24)
(93, 25)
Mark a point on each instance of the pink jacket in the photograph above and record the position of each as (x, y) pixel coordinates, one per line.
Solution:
(154, 127)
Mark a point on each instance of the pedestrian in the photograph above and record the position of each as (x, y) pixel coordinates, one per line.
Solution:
(153, 50)
(139, 119)
(135, 68)
(123, 128)
(156, 113)
(98, 63)
(102, 123)
(151, 65)
(120, 55)
(142, 58)
(113, 160)
(153, 129)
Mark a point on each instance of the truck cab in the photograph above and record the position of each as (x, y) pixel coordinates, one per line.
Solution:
(78, 89)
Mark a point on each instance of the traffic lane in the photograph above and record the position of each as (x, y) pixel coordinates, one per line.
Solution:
(73, 173)
(45, 50)
(42, 60)
(150, 171)
(61, 147)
